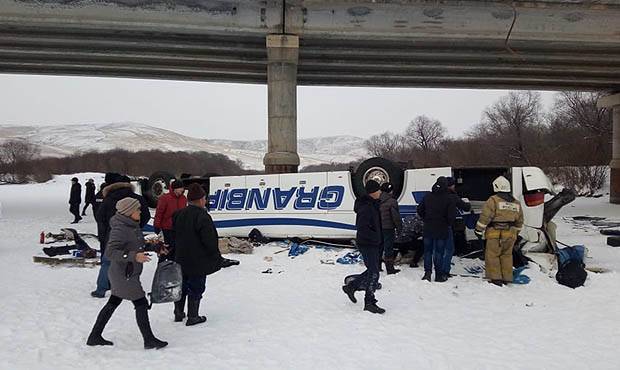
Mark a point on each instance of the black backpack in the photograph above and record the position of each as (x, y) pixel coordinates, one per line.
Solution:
(572, 274)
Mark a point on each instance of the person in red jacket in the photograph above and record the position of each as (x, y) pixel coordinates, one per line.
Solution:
(167, 204)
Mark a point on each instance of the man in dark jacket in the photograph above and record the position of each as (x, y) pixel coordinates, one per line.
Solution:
(167, 205)
(461, 206)
(118, 189)
(197, 252)
(75, 198)
(390, 222)
(89, 197)
(369, 241)
(438, 210)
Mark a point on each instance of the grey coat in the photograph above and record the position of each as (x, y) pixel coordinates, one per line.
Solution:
(124, 242)
(390, 216)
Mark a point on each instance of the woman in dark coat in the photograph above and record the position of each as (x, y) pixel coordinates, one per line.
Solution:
(125, 252)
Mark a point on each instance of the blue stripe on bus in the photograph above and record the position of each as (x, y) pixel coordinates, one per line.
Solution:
(282, 221)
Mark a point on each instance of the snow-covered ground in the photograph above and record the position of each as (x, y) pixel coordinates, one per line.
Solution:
(297, 317)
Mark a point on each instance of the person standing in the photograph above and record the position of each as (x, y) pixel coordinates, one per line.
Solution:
(369, 241)
(438, 210)
(125, 251)
(167, 205)
(500, 222)
(118, 188)
(75, 198)
(89, 197)
(461, 206)
(390, 223)
(197, 252)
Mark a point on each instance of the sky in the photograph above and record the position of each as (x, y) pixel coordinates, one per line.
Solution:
(234, 111)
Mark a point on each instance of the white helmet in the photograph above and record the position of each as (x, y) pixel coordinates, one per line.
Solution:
(501, 185)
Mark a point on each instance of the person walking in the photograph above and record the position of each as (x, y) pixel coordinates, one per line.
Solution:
(125, 251)
(118, 188)
(390, 223)
(197, 252)
(500, 222)
(438, 210)
(75, 198)
(461, 206)
(89, 197)
(369, 241)
(167, 205)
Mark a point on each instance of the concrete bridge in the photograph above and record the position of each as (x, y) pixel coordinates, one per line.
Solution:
(539, 44)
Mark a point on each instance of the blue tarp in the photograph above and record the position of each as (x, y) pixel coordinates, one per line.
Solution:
(350, 258)
(297, 250)
(574, 253)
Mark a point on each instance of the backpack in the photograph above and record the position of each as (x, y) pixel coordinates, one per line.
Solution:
(167, 283)
(571, 269)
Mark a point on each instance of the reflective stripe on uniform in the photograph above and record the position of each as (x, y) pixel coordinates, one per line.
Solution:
(482, 226)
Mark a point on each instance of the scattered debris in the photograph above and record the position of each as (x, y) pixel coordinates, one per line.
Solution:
(234, 245)
(328, 262)
(350, 258)
(297, 249)
(613, 241)
(268, 259)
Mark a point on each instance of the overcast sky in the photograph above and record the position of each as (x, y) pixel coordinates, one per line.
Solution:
(233, 111)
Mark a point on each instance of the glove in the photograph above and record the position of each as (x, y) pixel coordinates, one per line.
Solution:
(478, 233)
(157, 230)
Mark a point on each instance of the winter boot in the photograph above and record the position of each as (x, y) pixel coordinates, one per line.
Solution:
(193, 305)
(427, 276)
(95, 338)
(350, 292)
(497, 282)
(179, 309)
(389, 266)
(440, 278)
(142, 318)
(372, 307)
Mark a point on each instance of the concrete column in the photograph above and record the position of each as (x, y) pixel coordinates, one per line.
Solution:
(613, 102)
(282, 57)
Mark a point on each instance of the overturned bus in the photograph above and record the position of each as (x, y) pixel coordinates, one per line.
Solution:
(320, 205)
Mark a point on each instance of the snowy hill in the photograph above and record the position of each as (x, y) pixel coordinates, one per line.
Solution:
(64, 140)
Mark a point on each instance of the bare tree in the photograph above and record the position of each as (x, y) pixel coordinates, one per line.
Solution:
(15, 151)
(387, 145)
(425, 133)
(510, 121)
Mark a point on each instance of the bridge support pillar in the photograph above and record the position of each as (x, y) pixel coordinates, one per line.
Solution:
(613, 102)
(282, 58)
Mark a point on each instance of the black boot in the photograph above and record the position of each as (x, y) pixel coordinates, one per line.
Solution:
(179, 309)
(440, 278)
(497, 282)
(350, 292)
(389, 267)
(193, 305)
(95, 338)
(371, 306)
(427, 276)
(142, 318)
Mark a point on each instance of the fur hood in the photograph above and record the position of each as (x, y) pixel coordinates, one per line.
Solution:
(119, 185)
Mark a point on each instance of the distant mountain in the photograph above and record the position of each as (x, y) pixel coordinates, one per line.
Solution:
(63, 140)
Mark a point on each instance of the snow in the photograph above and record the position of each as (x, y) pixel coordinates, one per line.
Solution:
(63, 140)
(299, 318)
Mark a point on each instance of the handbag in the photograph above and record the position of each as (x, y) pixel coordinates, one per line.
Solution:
(167, 283)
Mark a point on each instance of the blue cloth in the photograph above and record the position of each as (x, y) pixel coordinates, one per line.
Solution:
(194, 286)
(448, 252)
(103, 284)
(388, 243)
(574, 253)
(434, 250)
(518, 277)
(297, 250)
(351, 258)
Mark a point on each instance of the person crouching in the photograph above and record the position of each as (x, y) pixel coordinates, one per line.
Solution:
(125, 252)
(196, 251)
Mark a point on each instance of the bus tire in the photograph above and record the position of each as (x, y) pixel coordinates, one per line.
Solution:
(159, 183)
(381, 169)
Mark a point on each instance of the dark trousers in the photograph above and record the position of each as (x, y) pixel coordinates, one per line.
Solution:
(74, 208)
(388, 243)
(92, 204)
(372, 258)
(448, 253)
(169, 238)
(194, 286)
(434, 250)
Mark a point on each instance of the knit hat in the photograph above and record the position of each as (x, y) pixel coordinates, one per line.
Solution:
(127, 206)
(387, 187)
(111, 178)
(176, 184)
(372, 186)
(195, 192)
(75, 179)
